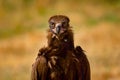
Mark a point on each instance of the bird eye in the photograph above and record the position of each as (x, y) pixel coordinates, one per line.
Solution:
(52, 25)
(64, 24)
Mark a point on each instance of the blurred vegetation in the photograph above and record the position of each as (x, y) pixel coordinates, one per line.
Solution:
(23, 25)
(14, 13)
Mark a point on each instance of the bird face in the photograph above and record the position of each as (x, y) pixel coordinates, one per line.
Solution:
(58, 24)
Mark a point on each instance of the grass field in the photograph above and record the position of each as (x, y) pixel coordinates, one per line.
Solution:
(23, 30)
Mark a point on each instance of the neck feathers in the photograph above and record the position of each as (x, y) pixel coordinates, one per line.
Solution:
(64, 40)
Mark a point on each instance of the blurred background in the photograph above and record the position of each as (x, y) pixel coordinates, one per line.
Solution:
(23, 30)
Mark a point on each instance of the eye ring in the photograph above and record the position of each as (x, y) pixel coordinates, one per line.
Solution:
(52, 25)
(64, 24)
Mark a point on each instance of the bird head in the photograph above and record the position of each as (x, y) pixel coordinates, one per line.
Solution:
(58, 24)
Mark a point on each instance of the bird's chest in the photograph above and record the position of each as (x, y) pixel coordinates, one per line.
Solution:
(62, 67)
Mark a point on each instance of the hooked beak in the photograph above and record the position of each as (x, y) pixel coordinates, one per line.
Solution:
(57, 28)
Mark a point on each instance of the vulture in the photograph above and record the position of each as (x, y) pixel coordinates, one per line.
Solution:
(60, 59)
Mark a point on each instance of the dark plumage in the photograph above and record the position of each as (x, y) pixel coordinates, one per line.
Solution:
(60, 60)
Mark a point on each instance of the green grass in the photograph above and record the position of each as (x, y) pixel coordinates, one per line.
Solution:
(9, 32)
(92, 21)
(111, 17)
(14, 31)
(107, 17)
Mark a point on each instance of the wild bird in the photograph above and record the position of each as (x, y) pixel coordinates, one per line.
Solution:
(60, 60)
